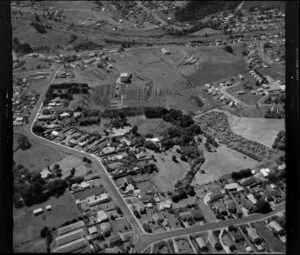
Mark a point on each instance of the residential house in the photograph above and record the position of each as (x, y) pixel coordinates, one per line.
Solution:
(102, 216)
(253, 235)
(114, 240)
(237, 236)
(231, 186)
(197, 215)
(214, 241)
(231, 206)
(247, 204)
(201, 243)
(185, 216)
(276, 227)
(215, 195)
(228, 241)
(220, 207)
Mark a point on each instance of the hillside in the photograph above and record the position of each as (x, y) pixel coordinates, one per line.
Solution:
(196, 10)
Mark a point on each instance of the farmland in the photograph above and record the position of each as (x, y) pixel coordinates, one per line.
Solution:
(257, 129)
(223, 161)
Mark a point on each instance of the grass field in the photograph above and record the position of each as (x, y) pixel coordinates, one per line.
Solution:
(224, 161)
(27, 226)
(37, 157)
(183, 245)
(257, 129)
(276, 71)
(169, 171)
(153, 126)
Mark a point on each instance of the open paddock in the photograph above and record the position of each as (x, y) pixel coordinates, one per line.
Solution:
(224, 161)
(145, 126)
(169, 171)
(37, 156)
(27, 226)
(257, 129)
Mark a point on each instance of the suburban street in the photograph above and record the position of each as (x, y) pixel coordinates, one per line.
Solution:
(146, 240)
(143, 239)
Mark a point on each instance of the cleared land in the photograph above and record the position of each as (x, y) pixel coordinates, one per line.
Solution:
(153, 126)
(224, 161)
(257, 129)
(27, 226)
(37, 157)
(169, 171)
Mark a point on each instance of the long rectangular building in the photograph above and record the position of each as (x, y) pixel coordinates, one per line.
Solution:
(70, 247)
(69, 237)
(71, 227)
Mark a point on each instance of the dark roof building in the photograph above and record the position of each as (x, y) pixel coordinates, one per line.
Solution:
(114, 240)
(228, 241)
(246, 204)
(237, 236)
(197, 215)
(231, 206)
(215, 195)
(251, 181)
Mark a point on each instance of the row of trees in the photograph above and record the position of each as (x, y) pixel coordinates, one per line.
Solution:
(31, 188)
(279, 142)
(243, 173)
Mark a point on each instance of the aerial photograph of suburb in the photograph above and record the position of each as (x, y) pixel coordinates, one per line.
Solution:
(149, 127)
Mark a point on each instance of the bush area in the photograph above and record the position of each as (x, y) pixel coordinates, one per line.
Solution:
(30, 188)
(23, 48)
(39, 27)
(88, 46)
(280, 141)
(196, 10)
(243, 173)
(216, 125)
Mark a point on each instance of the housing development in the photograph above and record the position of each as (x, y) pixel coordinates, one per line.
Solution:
(149, 126)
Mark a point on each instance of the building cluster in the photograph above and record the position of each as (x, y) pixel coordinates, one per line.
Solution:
(232, 199)
(275, 50)
(236, 39)
(97, 228)
(23, 101)
(136, 13)
(250, 21)
(219, 94)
